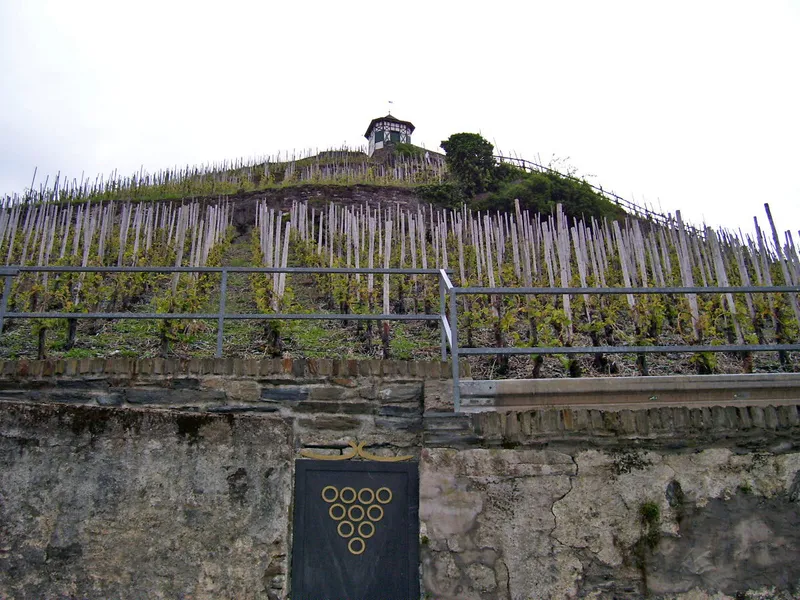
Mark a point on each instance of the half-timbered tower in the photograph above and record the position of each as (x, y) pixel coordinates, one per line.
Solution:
(388, 130)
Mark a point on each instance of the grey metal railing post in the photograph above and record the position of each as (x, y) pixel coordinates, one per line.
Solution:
(223, 289)
(454, 351)
(4, 301)
(442, 315)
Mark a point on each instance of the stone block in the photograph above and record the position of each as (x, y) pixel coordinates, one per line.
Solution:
(356, 408)
(437, 395)
(145, 366)
(250, 367)
(185, 383)
(411, 424)
(331, 423)
(244, 408)
(597, 419)
(770, 417)
(298, 367)
(111, 399)
(70, 397)
(398, 411)
(654, 419)
(718, 418)
(792, 416)
(242, 390)
(490, 422)
(511, 427)
(525, 427)
(743, 416)
(707, 420)
(641, 422)
(48, 368)
(172, 397)
(627, 423)
(329, 393)
(284, 394)
(757, 416)
(731, 418)
(310, 406)
(400, 393)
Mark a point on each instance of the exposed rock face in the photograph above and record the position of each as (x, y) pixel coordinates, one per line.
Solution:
(108, 504)
(522, 524)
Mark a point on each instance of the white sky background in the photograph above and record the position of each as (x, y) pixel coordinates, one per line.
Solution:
(695, 105)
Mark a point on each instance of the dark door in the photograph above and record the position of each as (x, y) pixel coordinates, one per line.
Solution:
(356, 531)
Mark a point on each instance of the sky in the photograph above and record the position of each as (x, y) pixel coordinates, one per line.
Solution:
(691, 106)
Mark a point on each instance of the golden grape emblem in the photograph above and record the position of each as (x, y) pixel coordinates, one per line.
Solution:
(356, 512)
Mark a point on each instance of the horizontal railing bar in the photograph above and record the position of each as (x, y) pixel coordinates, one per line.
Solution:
(234, 316)
(632, 349)
(746, 289)
(312, 270)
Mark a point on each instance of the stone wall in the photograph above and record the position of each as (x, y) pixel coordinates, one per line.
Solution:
(173, 479)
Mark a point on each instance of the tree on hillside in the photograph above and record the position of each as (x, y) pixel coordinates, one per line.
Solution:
(470, 159)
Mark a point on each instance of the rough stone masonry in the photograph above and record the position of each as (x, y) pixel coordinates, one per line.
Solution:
(173, 479)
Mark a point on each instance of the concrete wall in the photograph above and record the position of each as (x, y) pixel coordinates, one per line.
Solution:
(170, 479)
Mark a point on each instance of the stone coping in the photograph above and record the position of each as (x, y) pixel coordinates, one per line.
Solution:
(238, 367)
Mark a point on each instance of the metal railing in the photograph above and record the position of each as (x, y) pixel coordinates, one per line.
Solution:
(447, 317)
(451, 330)
(8, 273)
(631, 207)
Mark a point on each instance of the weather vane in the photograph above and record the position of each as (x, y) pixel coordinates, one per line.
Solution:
(390, 106)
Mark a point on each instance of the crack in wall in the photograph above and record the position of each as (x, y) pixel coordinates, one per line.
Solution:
(571, 479)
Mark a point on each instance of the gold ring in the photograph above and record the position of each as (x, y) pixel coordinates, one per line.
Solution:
(335, 518)
(361, 533)
(371, 497)
(369, 512)
(360, 541)
(350, 525)
(335, 494)
(352, 499)
(350, 513)
(378, 495)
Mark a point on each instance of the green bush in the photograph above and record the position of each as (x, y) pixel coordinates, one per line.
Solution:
(448, 194)
(541, 192)
(407, 150)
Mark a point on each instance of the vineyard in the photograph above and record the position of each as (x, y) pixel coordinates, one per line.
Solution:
(342, 167)
(492, 249)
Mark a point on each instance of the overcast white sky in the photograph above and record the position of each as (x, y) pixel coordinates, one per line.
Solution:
(695, 105)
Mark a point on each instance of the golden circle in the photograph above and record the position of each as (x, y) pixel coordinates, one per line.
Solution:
(352, 491)
(360, 541)
(371, 498)
(364, 535)
(378, 495)
(350, 513)
(350, 525)
(375, 507)
(335, 494)
(339, 518)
